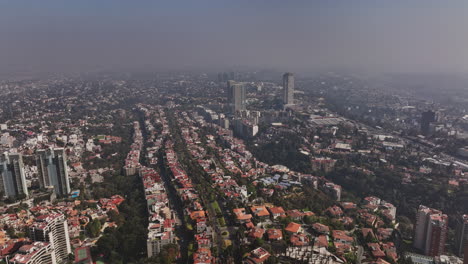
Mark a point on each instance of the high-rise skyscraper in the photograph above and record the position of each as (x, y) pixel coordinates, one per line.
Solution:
(427, 118)
(461, 239)
(52, 169)
(288, 88)
(12, 180)
(236, 96)
(52, 228)
(430, 231)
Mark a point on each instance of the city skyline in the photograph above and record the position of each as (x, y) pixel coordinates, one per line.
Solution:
(234, 132)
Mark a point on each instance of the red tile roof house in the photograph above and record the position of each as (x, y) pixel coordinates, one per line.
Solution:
(197, 214)
(308, 213)
(260, 211)
(299, 240)
(241, 216)
(342, 248)
(293, 228)
(257, 256)
(256, 232)
(348, 206)
(320, 228)
(277, 212)
(376, 251)
(202, 256)
(339, 236)
(249, 225)
(342, 241)
(347, 221)
(390, 250)
(384, 233)
(274, 234)
(366, 231)
(295, 214)
(203, 240)
(321, 241)
(334, 211)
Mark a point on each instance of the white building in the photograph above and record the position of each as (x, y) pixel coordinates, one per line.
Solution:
(35, 253)
(52, 228)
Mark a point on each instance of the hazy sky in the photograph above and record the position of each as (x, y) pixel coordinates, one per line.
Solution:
(382, 35)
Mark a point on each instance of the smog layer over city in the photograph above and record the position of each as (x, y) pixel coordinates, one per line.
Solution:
(216, 131)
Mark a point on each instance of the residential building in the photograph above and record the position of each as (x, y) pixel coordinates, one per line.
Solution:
(12, 180)
(241, 216)
(256, 256)
(293, 228)
(35, 253)
(203, 256)
(333, 190)
(52, 228)
(236, 95)
(324, 164)
(427, 118)
(156, 241)
(288, 88)
(299, 240)
(436, 235)
(430, 231)
(52, 169)
(461, 239)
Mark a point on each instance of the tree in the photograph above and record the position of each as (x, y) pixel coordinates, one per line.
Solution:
(310, 219)
(258, 242)
(106, 244)
(286, 220)
(11, 232)
(351, 257)
(241, 232)
(114, 216)
(272, 260)
(169, 253)
(370, 238)
(93, 228)
(405, 260)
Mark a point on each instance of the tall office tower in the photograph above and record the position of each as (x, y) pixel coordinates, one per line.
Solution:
(52, 228)
(427, 118)
(430, 231)
(288, 88)
(220, 77)
(236, 96)
(225, 76)
(232, 75)
(12, 180)
(52, 170)
(461, 239)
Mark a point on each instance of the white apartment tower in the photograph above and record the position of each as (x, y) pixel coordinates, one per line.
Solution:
(52, 228)
(236, 95)
(35, 253)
